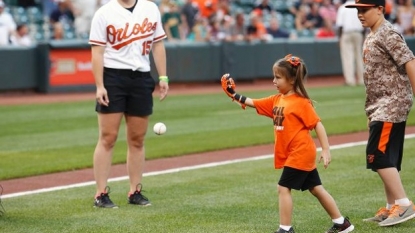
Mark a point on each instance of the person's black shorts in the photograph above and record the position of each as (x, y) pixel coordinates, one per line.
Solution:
(130, 92)
(300, 180)
(385, 145)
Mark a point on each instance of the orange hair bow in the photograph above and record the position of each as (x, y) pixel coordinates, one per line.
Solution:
(293, 60)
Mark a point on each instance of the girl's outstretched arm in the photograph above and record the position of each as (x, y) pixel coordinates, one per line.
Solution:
(228, 86)
(249, 102)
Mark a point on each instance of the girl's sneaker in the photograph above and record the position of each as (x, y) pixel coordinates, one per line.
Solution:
(342, 228)
(284, 231)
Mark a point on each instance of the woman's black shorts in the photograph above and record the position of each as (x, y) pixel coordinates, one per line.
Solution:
(130, 92)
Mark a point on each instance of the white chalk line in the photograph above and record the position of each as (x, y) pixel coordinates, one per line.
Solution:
(175, 170)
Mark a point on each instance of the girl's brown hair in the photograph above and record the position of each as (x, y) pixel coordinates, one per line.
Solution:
(294, 69)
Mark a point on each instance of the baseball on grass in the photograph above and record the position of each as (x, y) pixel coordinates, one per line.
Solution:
(159, 128)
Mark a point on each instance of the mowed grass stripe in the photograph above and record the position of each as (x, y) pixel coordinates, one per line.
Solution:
(239, 197)
(46, 138)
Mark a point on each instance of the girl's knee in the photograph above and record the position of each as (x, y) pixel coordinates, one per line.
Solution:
(283, 190)
(316, 190)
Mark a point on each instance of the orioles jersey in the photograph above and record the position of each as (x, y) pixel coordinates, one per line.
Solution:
(128, 36)
(293, 118)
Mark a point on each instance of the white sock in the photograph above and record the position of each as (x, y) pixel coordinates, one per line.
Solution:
(338, 220)
(403, 202)
(285, 228)
(389, 206)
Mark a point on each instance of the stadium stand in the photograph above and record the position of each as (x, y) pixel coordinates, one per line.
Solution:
(40, 29)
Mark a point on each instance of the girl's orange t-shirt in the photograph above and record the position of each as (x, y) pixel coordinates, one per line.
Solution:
(293, 119)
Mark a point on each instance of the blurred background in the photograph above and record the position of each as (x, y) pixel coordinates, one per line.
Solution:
(202, 20)
(50, 38)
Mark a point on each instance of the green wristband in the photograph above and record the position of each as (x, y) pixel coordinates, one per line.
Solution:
(164, 78)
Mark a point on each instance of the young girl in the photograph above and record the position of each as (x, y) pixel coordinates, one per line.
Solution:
(294, 151)
(389, 77)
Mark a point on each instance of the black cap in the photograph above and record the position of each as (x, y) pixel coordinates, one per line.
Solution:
(366, 3)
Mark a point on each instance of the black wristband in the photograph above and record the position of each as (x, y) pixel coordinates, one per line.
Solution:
(243, 99)
(240, 98)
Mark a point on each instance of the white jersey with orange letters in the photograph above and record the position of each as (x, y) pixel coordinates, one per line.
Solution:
(128, 36)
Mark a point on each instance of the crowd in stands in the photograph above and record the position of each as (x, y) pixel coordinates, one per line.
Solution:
(24, 22)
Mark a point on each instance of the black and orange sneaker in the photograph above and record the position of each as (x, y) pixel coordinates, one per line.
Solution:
(291, 230)
(137, 198)
(103, 200)
(341, 228)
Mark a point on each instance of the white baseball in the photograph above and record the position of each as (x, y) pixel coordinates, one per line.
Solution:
(159, 128)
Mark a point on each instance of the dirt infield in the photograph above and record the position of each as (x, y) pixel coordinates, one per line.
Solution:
(86, 175)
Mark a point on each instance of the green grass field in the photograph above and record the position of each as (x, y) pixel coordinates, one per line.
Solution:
(46, 138)
(238, 197)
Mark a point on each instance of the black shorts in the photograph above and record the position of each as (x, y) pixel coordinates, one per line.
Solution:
(385, 145)
(130, 92)
(300, 180)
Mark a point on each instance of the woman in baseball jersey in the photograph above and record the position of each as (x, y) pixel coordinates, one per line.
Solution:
(389, 76)
(123, 33)
(294, 151)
